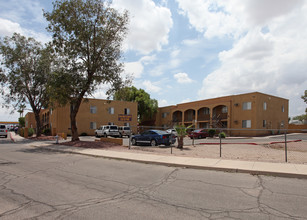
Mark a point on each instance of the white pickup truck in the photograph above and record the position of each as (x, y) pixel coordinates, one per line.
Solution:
(107, 130)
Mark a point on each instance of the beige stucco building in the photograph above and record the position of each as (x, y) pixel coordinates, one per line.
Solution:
(245, 114)
(92, 114)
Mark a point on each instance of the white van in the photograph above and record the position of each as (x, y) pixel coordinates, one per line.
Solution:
(107, 130)
(124, 131)
(3, 131)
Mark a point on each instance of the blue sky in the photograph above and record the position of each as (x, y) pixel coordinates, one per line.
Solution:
(182, 50)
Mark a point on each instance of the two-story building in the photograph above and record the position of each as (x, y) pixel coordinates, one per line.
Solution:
(246, 114)
(92, 114)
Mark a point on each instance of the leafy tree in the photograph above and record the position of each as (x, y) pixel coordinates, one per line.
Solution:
(24, 77)
(87, 37)
(22, 122)
(300, 117)
(147, 107)
(304, 116)
(304, 97)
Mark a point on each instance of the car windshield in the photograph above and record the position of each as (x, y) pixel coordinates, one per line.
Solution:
(2, 126)
(196, 131)
(113, 127)
(160, 132)
(126, 128)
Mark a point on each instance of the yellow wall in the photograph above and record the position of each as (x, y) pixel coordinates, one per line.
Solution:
(60, 117)
(273, 114)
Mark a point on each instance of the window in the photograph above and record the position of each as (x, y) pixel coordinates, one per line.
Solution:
(264, 123)
(264, 106)
(111, 110)
(206, 111)
(93, 109)
(92, 125)
(247, 105)
(164, 114)
(282, 124)
(127, 111)
(224, 109)
(111, 123)
(127, 124)
(283, 108)
(246, 124)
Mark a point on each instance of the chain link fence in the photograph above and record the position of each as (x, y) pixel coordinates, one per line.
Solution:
(264, 145)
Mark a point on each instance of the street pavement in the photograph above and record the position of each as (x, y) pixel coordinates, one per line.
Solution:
(256, 168)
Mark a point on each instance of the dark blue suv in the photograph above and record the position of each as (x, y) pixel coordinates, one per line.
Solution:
(153, 138)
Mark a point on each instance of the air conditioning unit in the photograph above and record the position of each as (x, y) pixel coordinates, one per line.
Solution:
(236, 121)
(236, 104)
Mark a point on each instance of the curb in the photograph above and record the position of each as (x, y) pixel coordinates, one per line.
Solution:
(200, 167)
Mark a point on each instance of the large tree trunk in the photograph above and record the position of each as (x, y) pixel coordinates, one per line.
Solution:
(38, 124)
(74, 108)
(74, 129)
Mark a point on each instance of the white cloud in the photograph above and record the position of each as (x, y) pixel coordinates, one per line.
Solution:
(134, 68)
(182, 78)
(268, 53)
(149, 25)
(151, 87)
(186, 100)
(8, 27)
(162, 103)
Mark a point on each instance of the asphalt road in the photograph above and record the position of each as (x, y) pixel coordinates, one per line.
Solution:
(41, 184)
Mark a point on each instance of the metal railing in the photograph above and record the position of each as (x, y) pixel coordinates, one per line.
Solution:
(271, 145)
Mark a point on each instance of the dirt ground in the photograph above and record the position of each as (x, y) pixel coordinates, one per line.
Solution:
(296, 153)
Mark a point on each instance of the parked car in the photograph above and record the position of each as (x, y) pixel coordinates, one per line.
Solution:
(124, 131)
(199, 133)
(3, 131)
(172, 131)
(107, 130)
(153, 138)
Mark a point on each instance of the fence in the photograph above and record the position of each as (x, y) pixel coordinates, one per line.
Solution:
(274, 145)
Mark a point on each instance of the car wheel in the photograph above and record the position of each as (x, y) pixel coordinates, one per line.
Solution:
(5, 136)
(168, 144)
(153, 143)
(199, 137)
(133, 141)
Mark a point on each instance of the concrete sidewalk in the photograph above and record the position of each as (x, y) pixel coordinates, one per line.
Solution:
(256, 168)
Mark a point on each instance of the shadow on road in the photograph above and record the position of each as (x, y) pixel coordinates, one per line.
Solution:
(40, 150)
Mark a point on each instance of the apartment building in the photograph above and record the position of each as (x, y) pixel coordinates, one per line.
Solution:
(251, 114)
(92, 114)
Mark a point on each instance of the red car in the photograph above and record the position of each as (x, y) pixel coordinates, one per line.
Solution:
(200, 133)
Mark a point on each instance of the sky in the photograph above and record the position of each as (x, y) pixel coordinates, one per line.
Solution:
(181, 50)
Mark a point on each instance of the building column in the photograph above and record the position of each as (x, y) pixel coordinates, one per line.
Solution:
(196, 119)
(210, 119)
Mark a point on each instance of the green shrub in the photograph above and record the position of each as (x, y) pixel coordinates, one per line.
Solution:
(222, 135)
(30, 132)
(47, 131)
(211, 132)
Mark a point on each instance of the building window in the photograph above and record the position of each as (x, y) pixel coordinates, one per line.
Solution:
(224, 109)
(282, 124)
(111, 123)
(264, 106)
(206, 111)
(111, 110)
(246, 124)
(92, 125)
(93, 109)
(283, 108)
(247, 105)
(127, 124)
(164, 114)
(127, 111)
(264, 123)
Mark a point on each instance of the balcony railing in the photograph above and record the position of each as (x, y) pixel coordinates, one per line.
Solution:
(203, 118)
